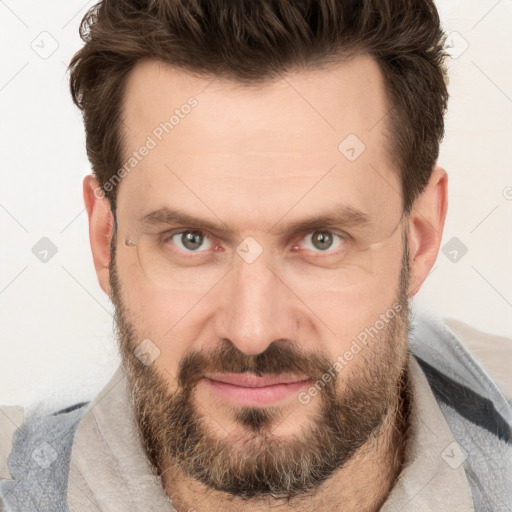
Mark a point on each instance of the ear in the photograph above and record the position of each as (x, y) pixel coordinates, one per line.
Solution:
(101, 225)
(426, 224)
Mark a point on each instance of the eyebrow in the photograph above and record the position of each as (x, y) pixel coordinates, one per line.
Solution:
(339, 216)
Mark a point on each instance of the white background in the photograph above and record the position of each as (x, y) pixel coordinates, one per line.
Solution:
(55, 322)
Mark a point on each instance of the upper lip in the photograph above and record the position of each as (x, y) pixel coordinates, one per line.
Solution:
(248, 380)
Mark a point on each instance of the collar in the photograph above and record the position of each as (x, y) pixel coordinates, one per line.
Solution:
(433, 476)
(109, 469)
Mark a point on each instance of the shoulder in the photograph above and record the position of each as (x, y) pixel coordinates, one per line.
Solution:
(492, 352)
(11, 417)
(22, 430)
(35, 456)
(474, 389)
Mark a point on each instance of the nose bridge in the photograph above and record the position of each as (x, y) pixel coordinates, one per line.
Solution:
(254, 307)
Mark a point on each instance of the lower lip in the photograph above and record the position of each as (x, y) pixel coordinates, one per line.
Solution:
(256, 396)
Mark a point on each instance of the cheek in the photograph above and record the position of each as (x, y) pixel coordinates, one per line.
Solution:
(165, 320)
(164, 316)
(348, 311)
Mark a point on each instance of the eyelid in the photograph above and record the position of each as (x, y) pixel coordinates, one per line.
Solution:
(174, 231)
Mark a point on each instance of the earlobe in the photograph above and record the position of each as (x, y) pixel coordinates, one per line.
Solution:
(101, 225)
(426, 224)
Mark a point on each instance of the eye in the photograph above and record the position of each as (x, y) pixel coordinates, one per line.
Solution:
(323, 241)
(191, 240)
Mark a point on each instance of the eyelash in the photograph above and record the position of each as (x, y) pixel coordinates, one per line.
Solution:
(167, 236)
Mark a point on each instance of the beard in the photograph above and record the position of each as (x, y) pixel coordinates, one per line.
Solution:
(353, 410)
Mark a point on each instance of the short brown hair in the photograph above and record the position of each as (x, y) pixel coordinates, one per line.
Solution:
(255, 41)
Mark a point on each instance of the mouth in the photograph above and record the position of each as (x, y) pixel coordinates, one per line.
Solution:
(247, 389)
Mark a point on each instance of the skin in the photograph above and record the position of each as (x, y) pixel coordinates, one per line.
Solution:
(255, 159)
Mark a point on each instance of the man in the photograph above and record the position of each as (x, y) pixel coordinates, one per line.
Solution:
(264, 204)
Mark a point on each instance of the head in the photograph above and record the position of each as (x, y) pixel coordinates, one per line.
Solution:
(265, 201)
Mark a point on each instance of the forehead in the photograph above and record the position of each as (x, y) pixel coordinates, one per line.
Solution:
(291, 144)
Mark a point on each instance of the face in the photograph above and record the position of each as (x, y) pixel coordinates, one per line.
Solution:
(260, 242)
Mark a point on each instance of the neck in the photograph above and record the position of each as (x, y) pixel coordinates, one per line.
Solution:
(378, 461)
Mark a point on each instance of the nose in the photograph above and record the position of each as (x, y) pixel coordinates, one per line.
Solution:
(255, 307)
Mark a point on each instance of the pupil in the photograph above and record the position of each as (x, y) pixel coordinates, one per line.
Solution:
(322, 239)
(192, 239)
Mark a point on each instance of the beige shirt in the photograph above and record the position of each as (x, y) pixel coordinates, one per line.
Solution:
(110, 472)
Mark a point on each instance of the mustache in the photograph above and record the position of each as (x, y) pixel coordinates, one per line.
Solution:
(280, 357)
